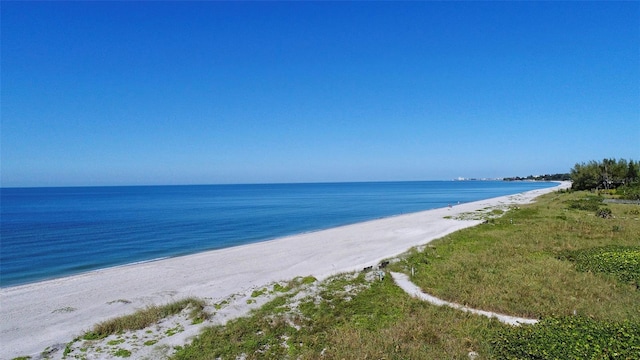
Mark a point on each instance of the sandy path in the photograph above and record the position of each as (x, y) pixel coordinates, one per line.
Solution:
(38, 315)
(402, 280)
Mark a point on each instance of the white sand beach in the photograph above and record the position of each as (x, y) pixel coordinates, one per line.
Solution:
(38, 315)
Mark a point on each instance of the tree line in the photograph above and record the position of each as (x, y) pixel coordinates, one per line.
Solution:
(620, 176)
(605, 174)
(546, 177)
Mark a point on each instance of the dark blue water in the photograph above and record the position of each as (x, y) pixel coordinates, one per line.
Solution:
(53, 232)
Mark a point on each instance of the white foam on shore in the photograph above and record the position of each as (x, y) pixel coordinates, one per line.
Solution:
(37, 315)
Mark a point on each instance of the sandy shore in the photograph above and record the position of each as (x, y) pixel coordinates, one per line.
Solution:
(38, 315)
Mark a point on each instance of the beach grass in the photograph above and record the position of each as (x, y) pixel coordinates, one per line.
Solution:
(146, 317)
(350, 317)
(525, 263)
(518, 264)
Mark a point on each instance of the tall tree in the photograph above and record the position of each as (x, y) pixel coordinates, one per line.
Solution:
(585, 176)
(608, 174)
(632, 172)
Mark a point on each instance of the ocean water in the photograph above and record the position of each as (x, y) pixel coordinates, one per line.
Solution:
(53, 232)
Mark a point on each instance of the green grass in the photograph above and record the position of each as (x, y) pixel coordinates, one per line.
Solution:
(514, 268)
(350, 316)
(122, 353)
(588, 203)
(174, 330)
(146, 317)
(301, 281)
(219, 305)
(257, 293)
(280, 288)
(115, 342)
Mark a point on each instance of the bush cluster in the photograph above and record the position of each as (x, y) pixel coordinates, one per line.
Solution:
(604, 213)
(571, 337)
(629, 191)
(621, 261)
(589, 203)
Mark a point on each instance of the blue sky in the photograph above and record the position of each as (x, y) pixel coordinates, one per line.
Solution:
(118, 93)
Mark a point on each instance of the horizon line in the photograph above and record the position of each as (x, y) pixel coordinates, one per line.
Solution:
(261, 183)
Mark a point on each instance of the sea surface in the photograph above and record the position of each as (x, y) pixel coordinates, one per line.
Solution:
(53, 232)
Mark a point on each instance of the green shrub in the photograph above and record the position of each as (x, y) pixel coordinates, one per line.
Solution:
(629, 192)
(280, 288)
(573, 337)
(122, 353)
(308, 280)
(115, 342)
(257, 293)
(589, 203)
(621, 261)
(604, 213)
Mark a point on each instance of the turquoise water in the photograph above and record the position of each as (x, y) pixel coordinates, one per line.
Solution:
(54, 232)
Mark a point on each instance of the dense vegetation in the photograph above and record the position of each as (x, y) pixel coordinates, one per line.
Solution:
(621, 175)
(607, 174)
(555, 260)
(623, 262)
(546, 177)
(570, 337)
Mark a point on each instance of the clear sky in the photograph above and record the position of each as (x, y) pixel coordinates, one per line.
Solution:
(116, 93)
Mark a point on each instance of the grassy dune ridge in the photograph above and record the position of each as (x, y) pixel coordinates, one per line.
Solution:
(515, 264)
